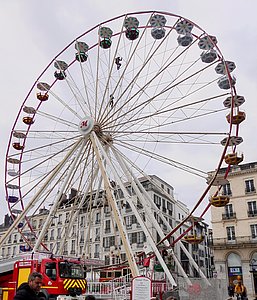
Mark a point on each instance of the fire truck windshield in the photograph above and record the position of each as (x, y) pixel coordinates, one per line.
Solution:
(71, 270)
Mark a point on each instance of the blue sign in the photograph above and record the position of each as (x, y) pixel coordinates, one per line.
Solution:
(232, 271)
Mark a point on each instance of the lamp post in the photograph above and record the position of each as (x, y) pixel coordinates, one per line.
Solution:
(253, 269)
(253, 265)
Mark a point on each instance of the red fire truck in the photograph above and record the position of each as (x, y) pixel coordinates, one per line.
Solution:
(61, 276)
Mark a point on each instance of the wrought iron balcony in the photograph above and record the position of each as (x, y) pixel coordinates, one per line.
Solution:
(228, 216)
(252, 213)
(238, 242)
(250, 190)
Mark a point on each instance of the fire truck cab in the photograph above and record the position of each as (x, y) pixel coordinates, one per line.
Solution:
(61, 276)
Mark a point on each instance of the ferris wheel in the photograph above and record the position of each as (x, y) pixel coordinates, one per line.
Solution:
(140, 93)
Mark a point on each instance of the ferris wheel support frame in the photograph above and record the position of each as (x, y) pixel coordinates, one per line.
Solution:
(147, 201)
(138, 217)
(111, 200)
(34, 200)
(57, 202)
(189, 256)
(152, 218)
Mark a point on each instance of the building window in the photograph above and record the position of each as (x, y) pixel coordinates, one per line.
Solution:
(112, 241)
(82, 237)
(229, 211)
(82, 221)
(252, 209)
(132, 238)
(107, 211)
(164, 209)
(58, 244)
(107, 260)
(67, 218)
(169, 207)
(107, 226)
(97, 218)
(253, 231)
(59, 233)
(226, 189)
(249, 186)
(106, 242)
(141, 237)
(130, 190)
(118, 194)
(60, 219)
(231, 233)
(123, 256)
(40, 223)
(97, 234)
(157, 200)
(73, 246)
(73, 230)
(97, 251)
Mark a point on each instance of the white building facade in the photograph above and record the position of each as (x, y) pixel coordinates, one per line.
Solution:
(235, 228)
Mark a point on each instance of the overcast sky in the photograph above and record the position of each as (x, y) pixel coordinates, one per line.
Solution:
(33, 32)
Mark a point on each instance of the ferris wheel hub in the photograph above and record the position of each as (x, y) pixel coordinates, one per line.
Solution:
(105, 138)
(86, 125)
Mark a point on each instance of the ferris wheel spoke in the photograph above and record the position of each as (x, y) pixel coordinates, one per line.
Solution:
(46, 158)
(72, 86)
(56, 119)
(122, 79)
(67, 178)
(87, 99)
(38, 194)
(155, 75)
(166, 114)
(106, 94)
(164, 159)
(129, 61)
(168, 137)
(182, 108)
(77, 93)
(52, 145)
(64, 104)
(148, 101)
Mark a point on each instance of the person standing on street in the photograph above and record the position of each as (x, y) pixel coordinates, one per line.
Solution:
(240, 291)
(29, 290)
(231, 289)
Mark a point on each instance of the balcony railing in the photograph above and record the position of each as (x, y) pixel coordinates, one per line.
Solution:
(250, 191)
(252, 213)
(227, 193)
(228, 216)
(238, 241)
